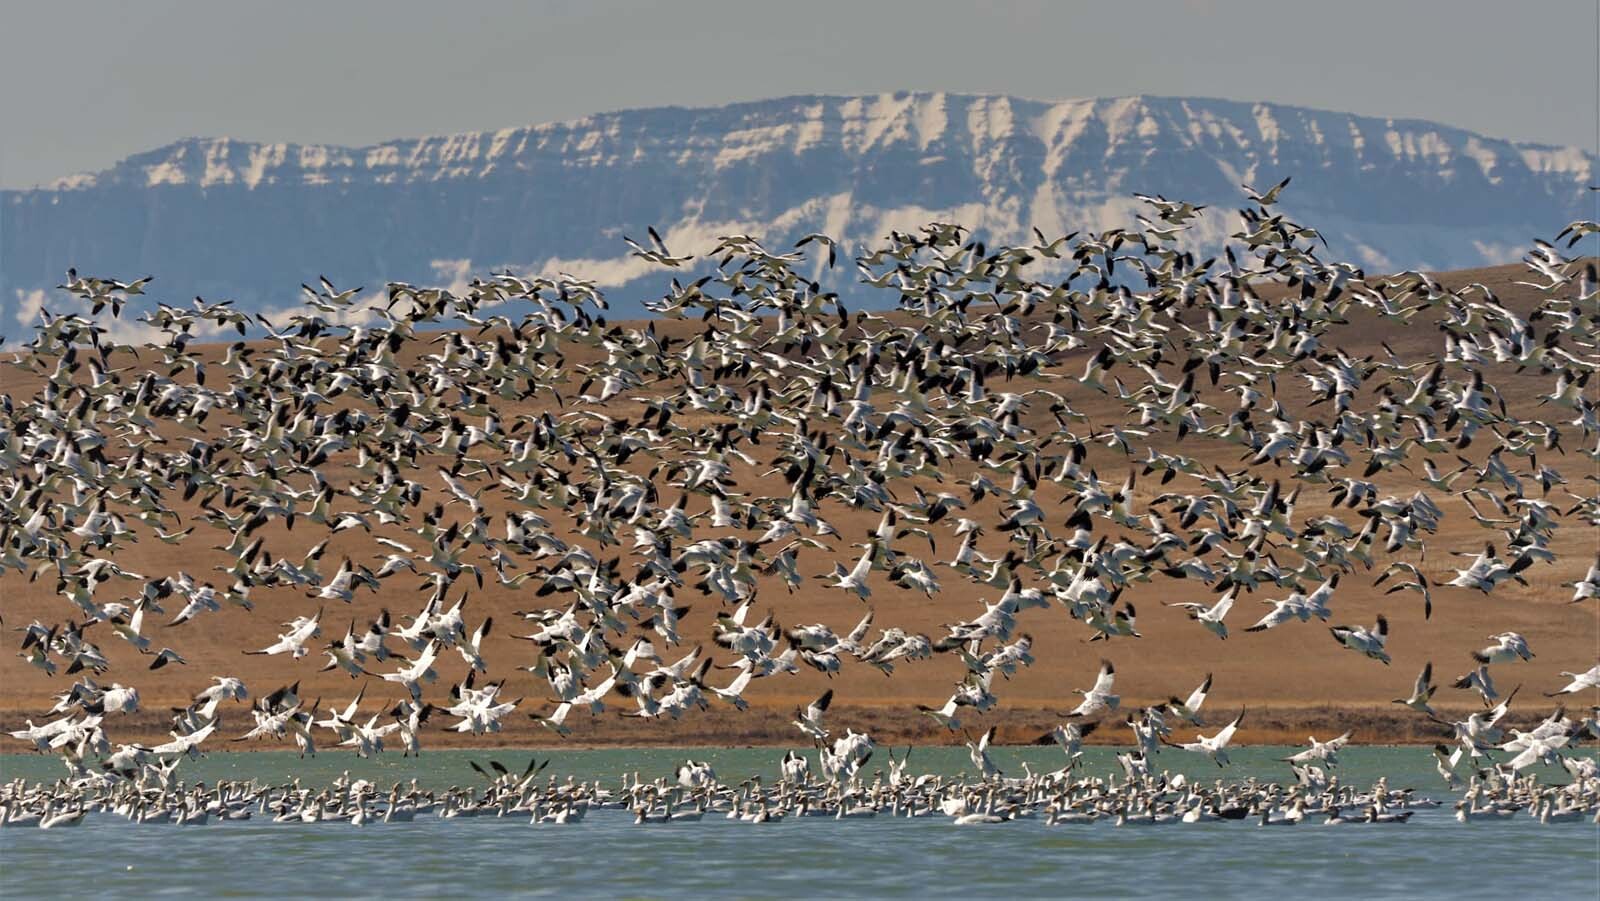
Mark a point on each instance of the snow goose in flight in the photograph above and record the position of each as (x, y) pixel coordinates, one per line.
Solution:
(131, 631)
(856, 578)
(1211, 617)
(1325, 751)
(1189, 710)
(973, 691)
(1418, 582)
(342, 654)
(471, 650)
(45, 737)
(1508, 646)
(1587, 587)
(1317, 601)
(418, 672)
(1174, 211)
(1481, 681)
(1480, 730)
(657, 252)
(979, 753)
(118, 698)
(1485, 572)
(1535, 748)
(186, 744)
(1121, 623)
(1094, 371)
(478, 708)
(409, 718)
(1098, 698)
(1590, 678)
(222, 688)
(1444, 763)
(734, 692)
(1421, 692)
(592, 698)
(1070, 737)
(1296, 606)
(343, 584)
(809, 719)
(367, 739)
(1268, 197)
(1368, 641)
(293, 642)
(1215, 746)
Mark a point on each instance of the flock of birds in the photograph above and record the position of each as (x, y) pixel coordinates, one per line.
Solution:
(353, 417)
(1059, 798)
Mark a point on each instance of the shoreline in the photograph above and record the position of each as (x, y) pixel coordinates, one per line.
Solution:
(769, 727)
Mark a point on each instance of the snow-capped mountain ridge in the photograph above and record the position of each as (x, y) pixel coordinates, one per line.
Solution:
(249, 220)
(859, 124)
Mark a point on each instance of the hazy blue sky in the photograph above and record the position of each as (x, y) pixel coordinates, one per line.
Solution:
(89, 83)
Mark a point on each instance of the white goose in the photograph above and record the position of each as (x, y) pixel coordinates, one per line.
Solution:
(1368, 641)
(1099, 697)
(1215, 746)
(1583, 681)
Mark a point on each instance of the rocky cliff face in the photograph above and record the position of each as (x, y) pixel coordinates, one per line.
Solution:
(225, 218)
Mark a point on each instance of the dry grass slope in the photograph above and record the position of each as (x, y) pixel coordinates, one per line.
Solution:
(1292, 679)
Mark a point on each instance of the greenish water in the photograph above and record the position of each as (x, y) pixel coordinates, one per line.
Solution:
(608, 856)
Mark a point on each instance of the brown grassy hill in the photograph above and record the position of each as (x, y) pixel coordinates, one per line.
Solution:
(1293, 678)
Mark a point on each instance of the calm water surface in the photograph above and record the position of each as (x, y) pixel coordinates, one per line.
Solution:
(608, 856)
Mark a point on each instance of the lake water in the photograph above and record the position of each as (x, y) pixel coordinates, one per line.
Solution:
(607, 856)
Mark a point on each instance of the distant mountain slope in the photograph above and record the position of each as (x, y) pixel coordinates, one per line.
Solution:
(233, 219)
